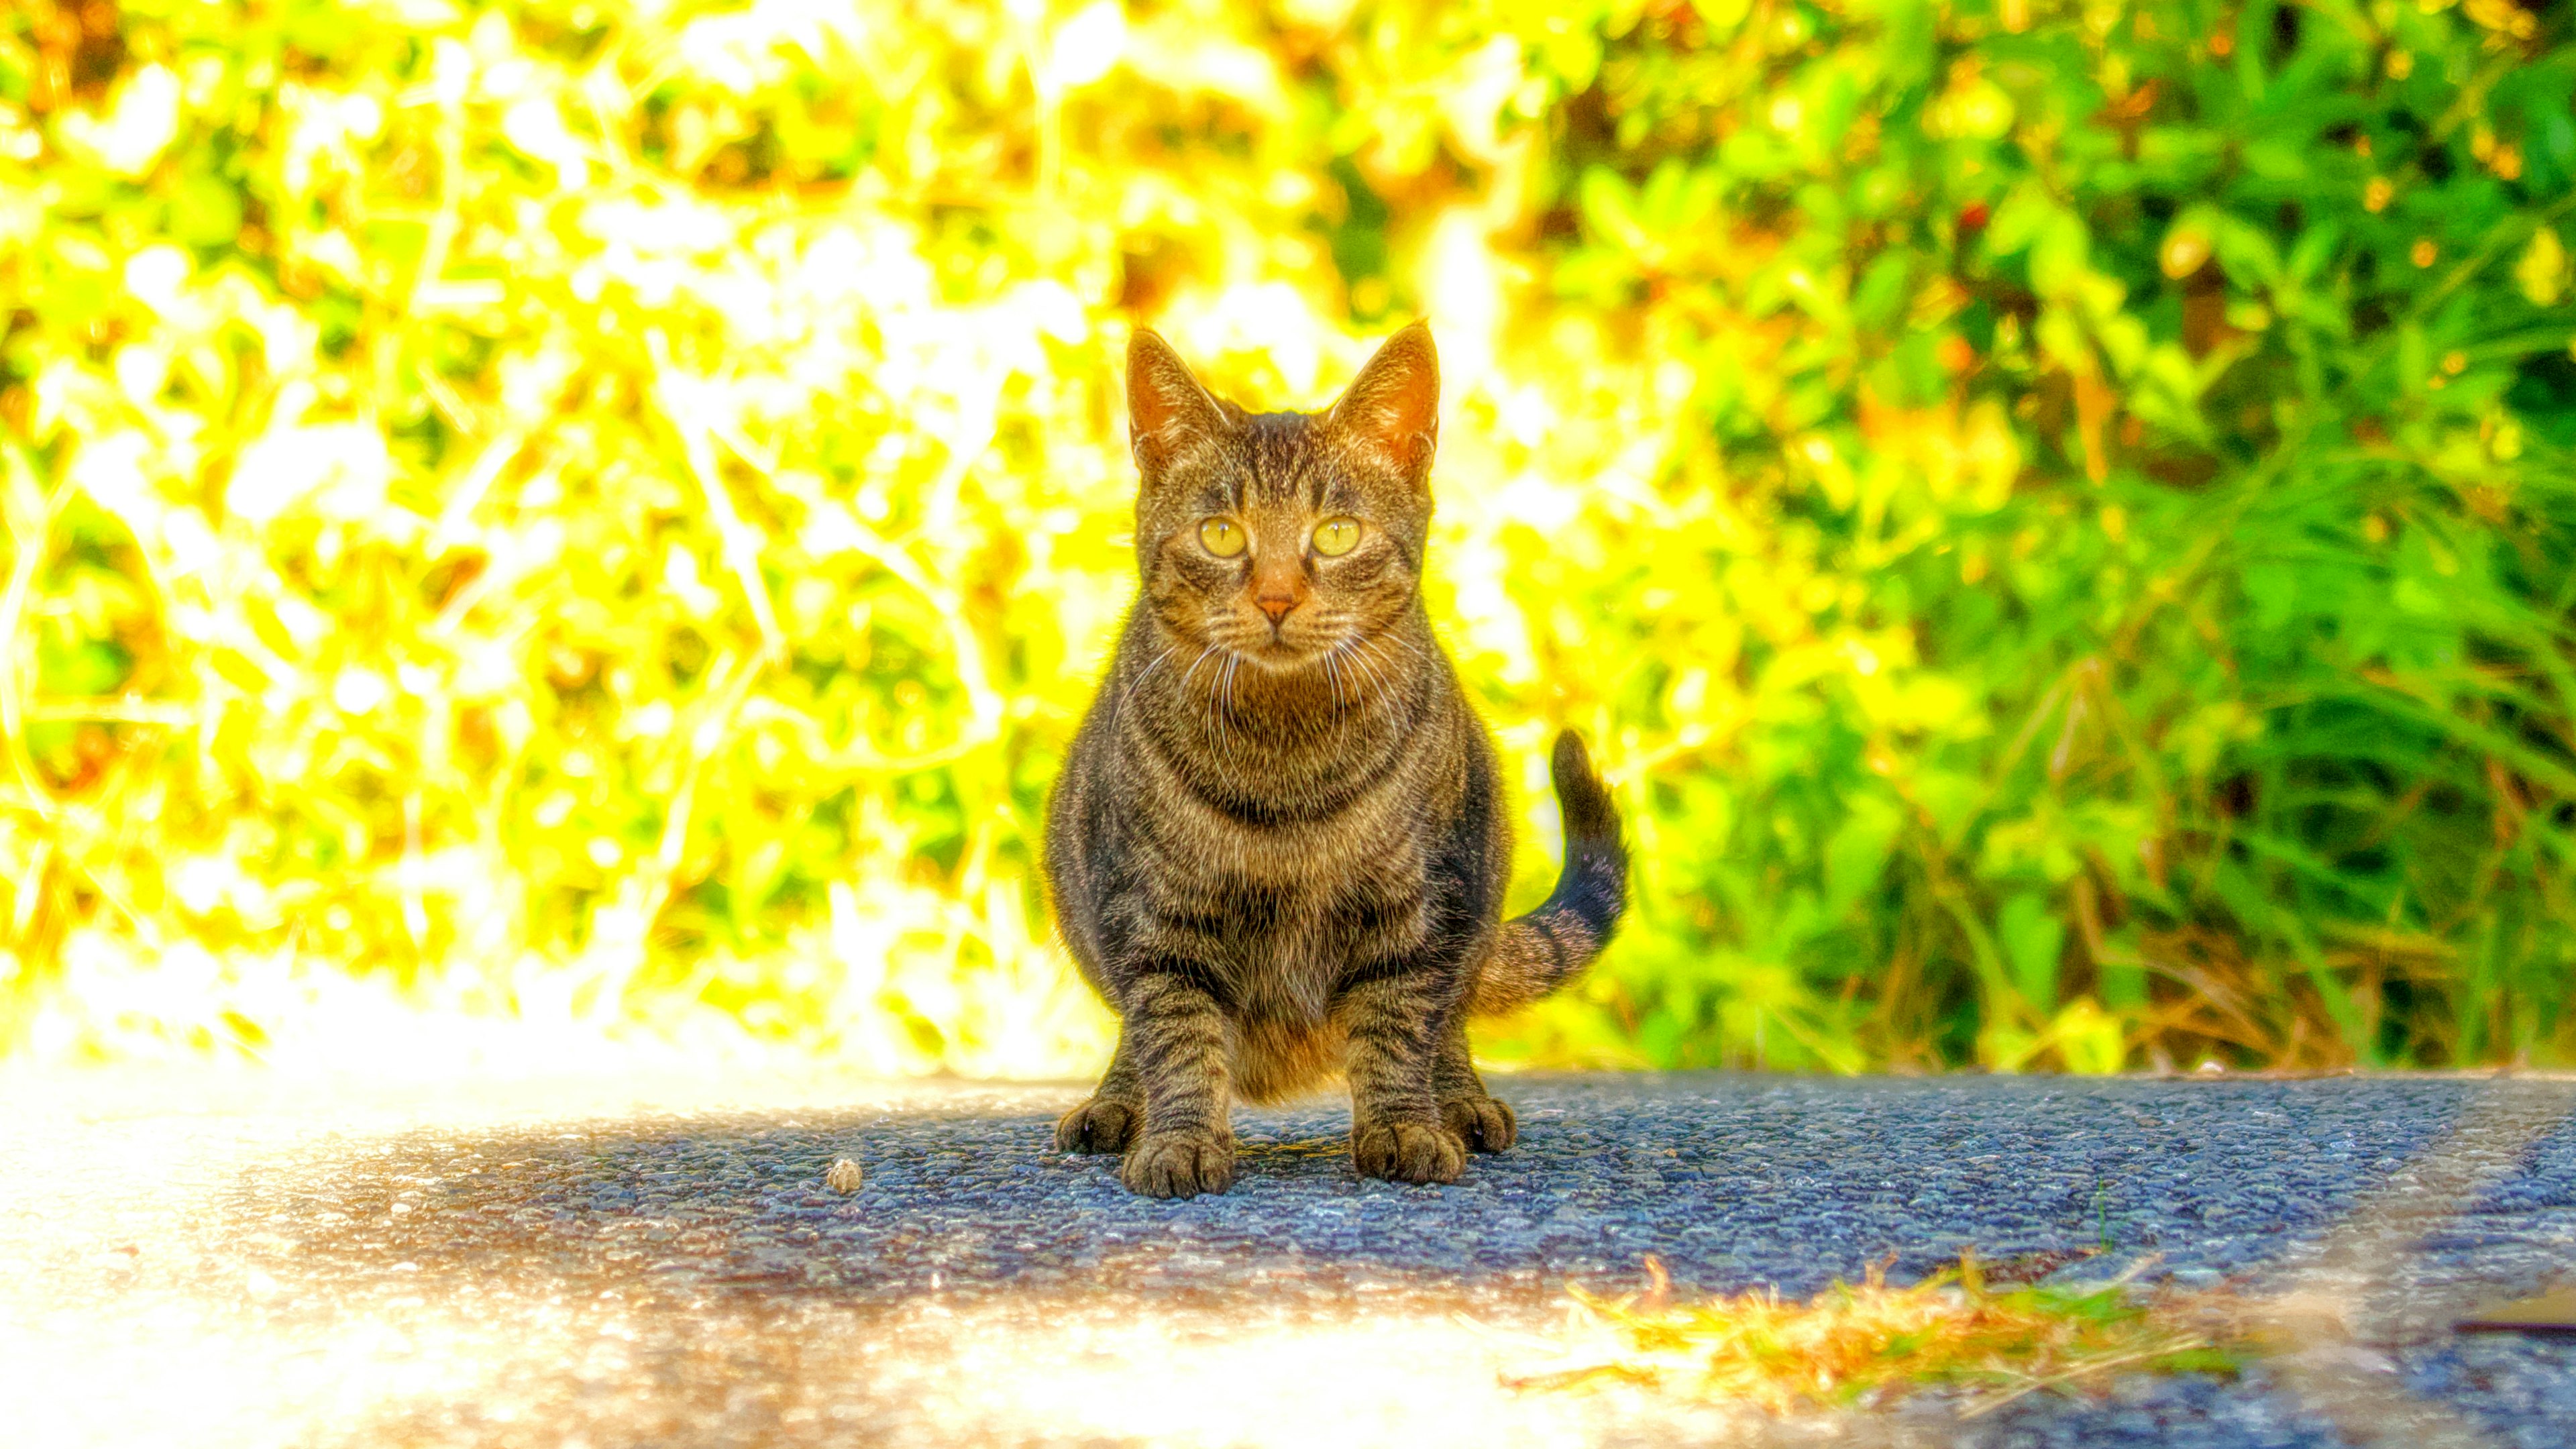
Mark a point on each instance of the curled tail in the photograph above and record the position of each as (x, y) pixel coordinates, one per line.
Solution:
(1539, 952)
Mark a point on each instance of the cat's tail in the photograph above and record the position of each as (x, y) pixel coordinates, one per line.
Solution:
(1539, 952)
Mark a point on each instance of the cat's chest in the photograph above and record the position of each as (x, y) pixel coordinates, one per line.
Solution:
(1284, 957)
(1380, 832)
(1296, 905)
(1296, 919)
(1289, 906)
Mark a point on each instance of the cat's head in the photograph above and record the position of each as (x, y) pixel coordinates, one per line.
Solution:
(1283, 537)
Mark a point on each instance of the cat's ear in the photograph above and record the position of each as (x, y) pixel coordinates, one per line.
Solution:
(1167, 409)
(1393, 406)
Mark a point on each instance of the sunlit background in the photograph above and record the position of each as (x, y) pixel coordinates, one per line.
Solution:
(562, 528)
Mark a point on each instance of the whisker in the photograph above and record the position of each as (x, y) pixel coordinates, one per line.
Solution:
(1194, 666)
(1224, 695)
(1376, 695)
(1127, 696)
(1388, 699)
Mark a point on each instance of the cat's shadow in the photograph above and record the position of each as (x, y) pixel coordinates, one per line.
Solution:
(1290, 1150)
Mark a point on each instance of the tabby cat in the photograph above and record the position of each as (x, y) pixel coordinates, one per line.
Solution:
(1278, 848)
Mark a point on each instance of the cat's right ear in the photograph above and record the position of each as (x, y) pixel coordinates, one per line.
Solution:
(1167, 409)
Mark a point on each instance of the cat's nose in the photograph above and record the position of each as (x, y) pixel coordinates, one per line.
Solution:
(1276, 606)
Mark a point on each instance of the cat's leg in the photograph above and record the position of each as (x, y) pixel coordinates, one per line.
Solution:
(1109, 1120)
(1177, 1034)
(1483, 1122)
(1396, 1025)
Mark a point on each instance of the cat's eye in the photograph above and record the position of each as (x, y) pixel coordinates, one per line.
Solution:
(1223, 537)
(1337, 536)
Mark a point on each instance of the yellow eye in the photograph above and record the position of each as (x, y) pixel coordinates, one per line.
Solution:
(1223, 537)
(1337, 536)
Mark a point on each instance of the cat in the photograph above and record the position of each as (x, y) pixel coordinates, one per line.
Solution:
(1278, 846)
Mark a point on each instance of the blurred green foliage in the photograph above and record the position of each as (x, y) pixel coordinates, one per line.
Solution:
(2058, 516)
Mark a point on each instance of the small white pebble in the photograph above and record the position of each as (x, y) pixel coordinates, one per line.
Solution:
(843, 1176)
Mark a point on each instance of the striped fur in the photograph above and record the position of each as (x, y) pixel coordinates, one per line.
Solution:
(1550, 946)
(1278, 847)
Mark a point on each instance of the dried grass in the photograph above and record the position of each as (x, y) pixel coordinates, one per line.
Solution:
(1868, 1344)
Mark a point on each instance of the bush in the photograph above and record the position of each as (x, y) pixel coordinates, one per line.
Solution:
(2058, 518)
(2163, 414)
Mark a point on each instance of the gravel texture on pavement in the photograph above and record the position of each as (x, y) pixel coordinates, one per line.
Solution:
(554, 1268)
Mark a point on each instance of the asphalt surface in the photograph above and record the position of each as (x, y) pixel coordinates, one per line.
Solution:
(566, 1265)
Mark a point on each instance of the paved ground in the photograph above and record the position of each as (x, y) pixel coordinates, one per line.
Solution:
(570, 1265)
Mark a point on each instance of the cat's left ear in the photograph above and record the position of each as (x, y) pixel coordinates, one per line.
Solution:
(1168, 411)
(1393, 406)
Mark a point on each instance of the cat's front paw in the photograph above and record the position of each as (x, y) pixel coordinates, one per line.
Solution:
(1178, 1164)
(1483, 1123)
(1103, 1124)
(1408, 1152)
